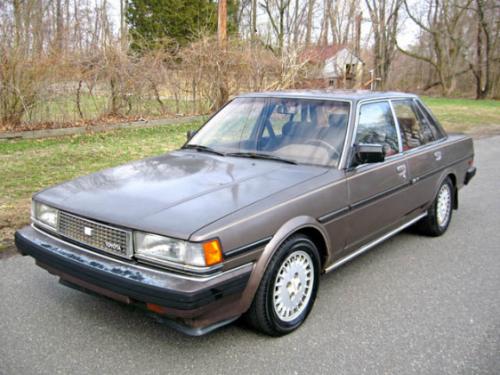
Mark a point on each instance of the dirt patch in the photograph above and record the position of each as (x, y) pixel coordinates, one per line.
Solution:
(105, 120)
(8, 250)
(12, 216)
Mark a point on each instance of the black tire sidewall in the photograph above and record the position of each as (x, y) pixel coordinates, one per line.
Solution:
(301, 243)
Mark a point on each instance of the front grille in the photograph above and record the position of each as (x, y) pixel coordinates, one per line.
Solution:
(103, 237)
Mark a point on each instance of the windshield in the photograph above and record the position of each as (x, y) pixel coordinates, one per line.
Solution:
(304, 131)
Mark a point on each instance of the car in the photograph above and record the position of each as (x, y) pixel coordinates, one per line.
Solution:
(274, 190)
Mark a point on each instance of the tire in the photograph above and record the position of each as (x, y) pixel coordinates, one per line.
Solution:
(439, 214)
(285, 297)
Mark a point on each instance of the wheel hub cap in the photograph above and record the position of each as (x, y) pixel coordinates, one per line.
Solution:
(443, 205)
(293, 286)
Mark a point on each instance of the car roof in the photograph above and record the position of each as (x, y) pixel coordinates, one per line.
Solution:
(352, 95)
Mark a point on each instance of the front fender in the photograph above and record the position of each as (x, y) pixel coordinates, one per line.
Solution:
(285, 231)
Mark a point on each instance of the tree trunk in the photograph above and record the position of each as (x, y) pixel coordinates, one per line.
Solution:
(254, 18)
(59, 26)
(18, 21)
(309, 22)
(222, 23)
(323, 40)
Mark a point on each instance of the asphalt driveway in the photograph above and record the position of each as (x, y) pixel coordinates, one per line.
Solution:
(411, 305)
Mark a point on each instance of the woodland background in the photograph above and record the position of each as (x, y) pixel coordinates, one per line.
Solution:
(75, 62)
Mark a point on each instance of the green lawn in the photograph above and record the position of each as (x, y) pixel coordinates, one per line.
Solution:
(465, 114)
(30, 165)
(27, 166)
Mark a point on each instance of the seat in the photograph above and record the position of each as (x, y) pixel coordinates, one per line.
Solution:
(338, 120)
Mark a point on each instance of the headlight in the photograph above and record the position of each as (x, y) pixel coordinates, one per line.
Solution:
(45, 214)
(162, 249)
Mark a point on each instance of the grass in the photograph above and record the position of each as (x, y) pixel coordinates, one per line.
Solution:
(27, 166)
(465, 115)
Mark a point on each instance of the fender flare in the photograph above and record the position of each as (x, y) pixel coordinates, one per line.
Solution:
(444, 174)
(285, 231)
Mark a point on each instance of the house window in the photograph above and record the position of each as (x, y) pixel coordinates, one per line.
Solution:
(349, 70)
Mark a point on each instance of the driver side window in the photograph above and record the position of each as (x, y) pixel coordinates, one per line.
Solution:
(376, 126)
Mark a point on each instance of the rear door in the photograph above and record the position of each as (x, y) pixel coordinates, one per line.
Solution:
(422, 149)
(376, 191)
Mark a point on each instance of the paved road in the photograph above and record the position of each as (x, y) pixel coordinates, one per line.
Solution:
(412, 305)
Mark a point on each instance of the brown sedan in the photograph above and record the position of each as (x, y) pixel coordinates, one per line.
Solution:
(275, 189)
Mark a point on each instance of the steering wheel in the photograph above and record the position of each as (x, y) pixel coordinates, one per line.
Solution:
(322, 143)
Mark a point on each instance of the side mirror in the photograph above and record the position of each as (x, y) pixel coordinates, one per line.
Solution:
(190, 134)
(369, 153)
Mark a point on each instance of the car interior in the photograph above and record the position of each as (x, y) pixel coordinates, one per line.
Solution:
(307, 130)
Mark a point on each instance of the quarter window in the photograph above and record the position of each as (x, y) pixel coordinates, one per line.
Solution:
(376, 126)
(431, 121)
(414, 127)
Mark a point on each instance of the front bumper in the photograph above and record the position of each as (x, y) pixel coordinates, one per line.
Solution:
(181, 296)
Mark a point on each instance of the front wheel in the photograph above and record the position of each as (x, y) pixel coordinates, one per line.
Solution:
(288, 288)
(439, 215)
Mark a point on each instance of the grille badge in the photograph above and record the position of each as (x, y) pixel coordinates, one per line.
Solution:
(88, 231)
(113, 246)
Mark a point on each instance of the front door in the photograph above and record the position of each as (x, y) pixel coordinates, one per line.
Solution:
(376, 191)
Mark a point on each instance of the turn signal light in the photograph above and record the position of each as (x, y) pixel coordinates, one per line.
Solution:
(213, 252)
(156, 308)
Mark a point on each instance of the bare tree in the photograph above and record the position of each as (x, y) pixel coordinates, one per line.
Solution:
(309, 21)
(342, 19)
(384, 16)
(486, 13)
(442, 28)
(325, 28)
(276, 11)
(254, 18)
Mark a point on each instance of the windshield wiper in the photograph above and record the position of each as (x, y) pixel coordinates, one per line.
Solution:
(202, 148)
(256, 155)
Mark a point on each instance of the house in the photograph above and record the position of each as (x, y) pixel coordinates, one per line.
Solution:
(334, 65)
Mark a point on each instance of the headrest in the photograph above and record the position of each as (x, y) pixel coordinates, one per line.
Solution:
(337, 120)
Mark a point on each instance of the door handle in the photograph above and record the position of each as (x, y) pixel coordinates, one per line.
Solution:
(438, 155)
(401, 169)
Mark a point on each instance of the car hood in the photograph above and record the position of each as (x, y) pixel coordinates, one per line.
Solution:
(177, 193)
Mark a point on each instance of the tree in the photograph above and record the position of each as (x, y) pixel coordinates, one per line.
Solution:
(486, 45)
(178, 20)
(384, 15)
(443, 31)
(276, 11)
(309, 21)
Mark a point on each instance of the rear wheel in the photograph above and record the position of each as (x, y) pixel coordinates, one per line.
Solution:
(288, 288)
(439, 215)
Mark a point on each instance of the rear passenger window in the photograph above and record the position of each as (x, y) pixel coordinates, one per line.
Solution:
(376, 126)
(431, 121)
(414, 127)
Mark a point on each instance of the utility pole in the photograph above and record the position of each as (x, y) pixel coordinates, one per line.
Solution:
(222, 23)
(223, 92)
